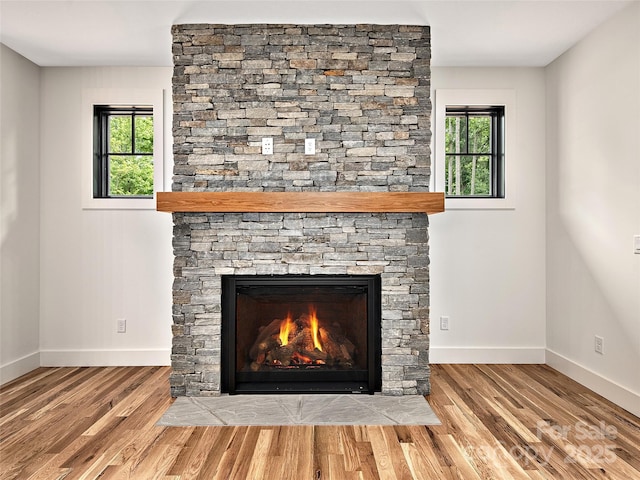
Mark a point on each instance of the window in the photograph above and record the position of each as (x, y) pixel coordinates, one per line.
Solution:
(96, 180)
(123, 152)
(508, 175)
(474, 151)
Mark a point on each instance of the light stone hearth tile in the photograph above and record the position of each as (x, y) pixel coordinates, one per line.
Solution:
(184, 411)
(342, 409)
(412, 408)
(299, 410)
(249, 410)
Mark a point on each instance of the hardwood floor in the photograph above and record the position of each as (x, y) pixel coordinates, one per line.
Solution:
(498, 422)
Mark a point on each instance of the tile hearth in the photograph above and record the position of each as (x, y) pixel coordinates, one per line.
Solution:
(309, 409)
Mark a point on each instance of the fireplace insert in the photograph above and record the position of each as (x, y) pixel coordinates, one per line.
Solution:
(301, 333)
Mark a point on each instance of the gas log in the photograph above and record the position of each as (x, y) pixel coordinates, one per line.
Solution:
(303, 342)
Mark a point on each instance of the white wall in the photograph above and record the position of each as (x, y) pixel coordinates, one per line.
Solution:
(593, 199)
(488, 266)
(99, 265)
(19, 216)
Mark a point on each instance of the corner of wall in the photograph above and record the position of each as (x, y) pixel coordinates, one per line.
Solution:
(20, 214)
(21, 366)
(595, 381)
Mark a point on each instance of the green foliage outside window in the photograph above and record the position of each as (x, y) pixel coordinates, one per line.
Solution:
(130, 174)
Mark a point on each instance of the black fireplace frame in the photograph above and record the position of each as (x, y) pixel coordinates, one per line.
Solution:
(370, 381)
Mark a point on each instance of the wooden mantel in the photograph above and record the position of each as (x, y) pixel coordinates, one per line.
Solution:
(301, 202)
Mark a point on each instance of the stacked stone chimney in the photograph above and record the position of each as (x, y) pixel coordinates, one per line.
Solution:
(362, 92)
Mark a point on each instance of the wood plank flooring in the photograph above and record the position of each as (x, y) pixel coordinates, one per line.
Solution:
(498, 422)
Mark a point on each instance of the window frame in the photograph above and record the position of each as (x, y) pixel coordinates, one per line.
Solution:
(121, 98)
(102, 153)
(444, 98)
(496, 153)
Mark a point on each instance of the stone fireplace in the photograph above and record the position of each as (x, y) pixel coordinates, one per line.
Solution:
(362, 92)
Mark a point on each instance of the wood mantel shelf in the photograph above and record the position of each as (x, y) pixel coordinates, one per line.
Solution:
(301, 202)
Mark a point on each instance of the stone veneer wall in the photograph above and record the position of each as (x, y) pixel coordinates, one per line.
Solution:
(362, 91)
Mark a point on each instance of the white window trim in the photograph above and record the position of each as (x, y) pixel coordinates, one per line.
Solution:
(450, 97)
(111, 96)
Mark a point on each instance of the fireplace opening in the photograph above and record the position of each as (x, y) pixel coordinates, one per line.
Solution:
(301, 334)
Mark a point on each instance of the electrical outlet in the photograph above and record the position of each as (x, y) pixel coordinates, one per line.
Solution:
(444, 323)
(267, 146)
(121, 325)
(599, 345)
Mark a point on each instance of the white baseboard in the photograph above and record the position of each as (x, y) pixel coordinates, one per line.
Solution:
(486, 355)
(105, 358)
(17, 368)
(610, 390)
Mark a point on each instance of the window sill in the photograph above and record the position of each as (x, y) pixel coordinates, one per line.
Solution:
(479, 204)
(119, 204)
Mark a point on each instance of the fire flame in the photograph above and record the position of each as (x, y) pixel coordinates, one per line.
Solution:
(314, 328)
(285, 329)
(287, 326)
(297, 357)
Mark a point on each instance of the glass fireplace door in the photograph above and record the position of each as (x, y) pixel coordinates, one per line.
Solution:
(301, 334)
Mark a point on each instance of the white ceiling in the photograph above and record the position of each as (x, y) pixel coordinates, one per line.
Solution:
(464, 32)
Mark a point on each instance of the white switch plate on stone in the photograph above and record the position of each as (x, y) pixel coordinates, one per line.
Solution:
(636, 244)
(309, 146)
